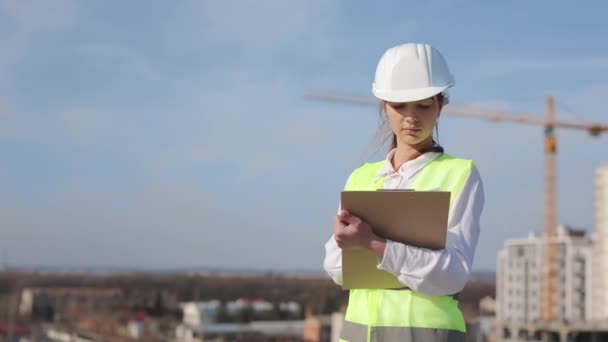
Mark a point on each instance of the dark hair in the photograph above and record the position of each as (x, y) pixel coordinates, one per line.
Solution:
(441, 98)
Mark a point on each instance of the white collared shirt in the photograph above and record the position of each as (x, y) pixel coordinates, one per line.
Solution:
(427, 271)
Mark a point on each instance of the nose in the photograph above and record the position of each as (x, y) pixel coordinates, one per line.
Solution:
(409, 114)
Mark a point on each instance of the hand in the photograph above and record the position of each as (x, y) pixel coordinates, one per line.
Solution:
(350, 231)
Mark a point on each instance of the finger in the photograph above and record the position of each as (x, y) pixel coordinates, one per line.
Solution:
(343, 214)
(338, 225)
(337, 220)
(352, 219)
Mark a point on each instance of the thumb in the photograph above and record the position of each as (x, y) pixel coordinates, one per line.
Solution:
(343, 214)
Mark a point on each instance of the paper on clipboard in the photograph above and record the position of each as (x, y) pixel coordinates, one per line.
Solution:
(417, 218)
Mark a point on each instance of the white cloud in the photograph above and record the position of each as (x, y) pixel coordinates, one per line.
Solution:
(32, 15)
(265, 26)
(73, 127)
(118, 58)
(29, 17)
(261, 22)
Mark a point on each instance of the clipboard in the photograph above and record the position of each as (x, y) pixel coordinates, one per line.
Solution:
(417, 218)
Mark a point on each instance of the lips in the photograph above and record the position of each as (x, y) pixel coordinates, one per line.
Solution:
(411, 130)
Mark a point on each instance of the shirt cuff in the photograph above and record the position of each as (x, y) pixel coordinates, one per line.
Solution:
(392, 260)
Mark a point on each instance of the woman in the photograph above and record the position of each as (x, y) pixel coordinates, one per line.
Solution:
(411, 81)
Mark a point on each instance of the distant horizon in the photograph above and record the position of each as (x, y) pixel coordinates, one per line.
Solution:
(201, 269)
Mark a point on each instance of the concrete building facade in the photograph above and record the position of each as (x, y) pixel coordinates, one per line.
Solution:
(580, 293)
(46, 302)
(600, 250)
(518, 282)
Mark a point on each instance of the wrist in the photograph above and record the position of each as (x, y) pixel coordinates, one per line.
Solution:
(377, 245)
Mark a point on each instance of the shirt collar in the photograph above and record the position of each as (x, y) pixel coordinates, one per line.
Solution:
(410, 167)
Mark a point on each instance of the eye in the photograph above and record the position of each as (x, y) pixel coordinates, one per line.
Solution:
(399, 106)
(423, 106)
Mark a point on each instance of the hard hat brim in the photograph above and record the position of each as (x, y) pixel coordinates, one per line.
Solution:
(408, 95)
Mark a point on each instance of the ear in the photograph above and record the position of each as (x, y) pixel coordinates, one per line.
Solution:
(441, 103)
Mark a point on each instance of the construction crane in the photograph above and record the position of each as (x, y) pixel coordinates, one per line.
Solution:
(549, 280)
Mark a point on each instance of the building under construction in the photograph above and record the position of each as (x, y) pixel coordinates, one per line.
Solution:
(578, 295)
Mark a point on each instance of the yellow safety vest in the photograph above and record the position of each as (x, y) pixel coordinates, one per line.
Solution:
(378, 315)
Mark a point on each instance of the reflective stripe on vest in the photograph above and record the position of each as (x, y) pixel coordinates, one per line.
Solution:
(352, 332)
(377, 315)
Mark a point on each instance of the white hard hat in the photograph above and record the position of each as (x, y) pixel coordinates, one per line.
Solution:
(411, 72)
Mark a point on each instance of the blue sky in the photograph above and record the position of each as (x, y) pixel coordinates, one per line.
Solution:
(176, 134)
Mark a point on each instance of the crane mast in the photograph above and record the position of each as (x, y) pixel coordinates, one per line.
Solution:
(549, 283)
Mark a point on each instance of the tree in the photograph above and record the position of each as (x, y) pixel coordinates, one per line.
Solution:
(222, 314)
(159, 308)
(245, 314)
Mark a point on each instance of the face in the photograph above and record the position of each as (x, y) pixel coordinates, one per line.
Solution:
(413, 122)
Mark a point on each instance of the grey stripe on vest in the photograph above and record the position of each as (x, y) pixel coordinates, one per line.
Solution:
(410, 334)
(354, 332)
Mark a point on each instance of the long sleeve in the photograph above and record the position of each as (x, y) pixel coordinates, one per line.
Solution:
(333, 256)
(333, 260)
(445, 271)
